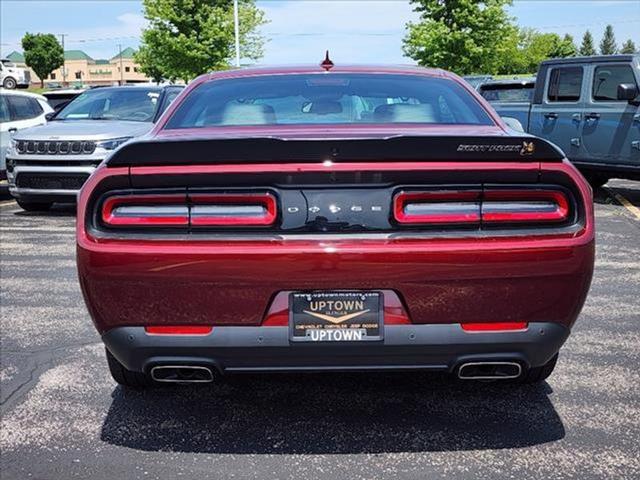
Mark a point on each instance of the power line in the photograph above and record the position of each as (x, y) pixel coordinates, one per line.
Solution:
(604, 22)
(104, 39)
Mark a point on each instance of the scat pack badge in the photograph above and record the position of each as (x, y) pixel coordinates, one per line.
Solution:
(526, 148)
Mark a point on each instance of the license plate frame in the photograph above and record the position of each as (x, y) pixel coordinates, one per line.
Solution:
(364, 322)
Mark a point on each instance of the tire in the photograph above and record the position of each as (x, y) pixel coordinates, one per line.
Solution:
(10, 83)
(125, 377)
(539, 374)
(595, 180)
(34, 206)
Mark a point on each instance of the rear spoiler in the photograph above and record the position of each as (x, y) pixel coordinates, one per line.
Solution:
(200, 151)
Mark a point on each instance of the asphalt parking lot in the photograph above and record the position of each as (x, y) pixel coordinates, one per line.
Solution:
(63, 417)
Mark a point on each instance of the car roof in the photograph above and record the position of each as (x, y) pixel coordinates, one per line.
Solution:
(305, 69)
(146, 86)
(20, 93)
(508, 81)
(65, 91)
(592, 59)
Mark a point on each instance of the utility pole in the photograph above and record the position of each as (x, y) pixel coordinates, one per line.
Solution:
(64, 63)
(236, 25)
(121, 70)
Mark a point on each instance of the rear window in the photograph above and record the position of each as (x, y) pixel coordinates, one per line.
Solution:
(320, 99)
(508, 93)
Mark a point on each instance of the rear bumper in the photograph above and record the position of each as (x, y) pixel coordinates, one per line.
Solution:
(228, 285)
(268, 349)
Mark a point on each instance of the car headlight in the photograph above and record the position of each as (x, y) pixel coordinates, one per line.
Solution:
(113, 143)
(13, 147)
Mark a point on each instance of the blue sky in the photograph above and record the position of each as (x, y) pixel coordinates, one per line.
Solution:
(300, 30)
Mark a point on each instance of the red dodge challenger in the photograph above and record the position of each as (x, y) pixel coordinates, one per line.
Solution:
(334, 218)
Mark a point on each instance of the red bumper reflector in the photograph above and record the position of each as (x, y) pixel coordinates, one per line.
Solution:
(494, 326)
(178, 330)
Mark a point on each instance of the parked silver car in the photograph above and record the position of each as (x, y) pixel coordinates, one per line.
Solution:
(50, 163)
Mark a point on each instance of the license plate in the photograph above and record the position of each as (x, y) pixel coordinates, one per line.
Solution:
(335, 316)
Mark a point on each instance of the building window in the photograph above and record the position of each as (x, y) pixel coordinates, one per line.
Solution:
(127, 69)
(135, 69)
(52, 76)
(79, 75)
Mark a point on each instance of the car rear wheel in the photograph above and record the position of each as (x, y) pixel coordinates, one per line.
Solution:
(539, 374)
(34, 206)
(127, 378)
(9, 83)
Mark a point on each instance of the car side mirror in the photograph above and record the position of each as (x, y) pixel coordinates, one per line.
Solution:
(513, 123)
(628, 92)
(50, 116)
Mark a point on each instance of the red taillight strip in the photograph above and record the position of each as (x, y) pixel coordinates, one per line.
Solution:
(446, 207)
(236, 209)
(496, 206)
(494, 326)
(504, 206)
(178, 330)
(158, 218)
(264, 200)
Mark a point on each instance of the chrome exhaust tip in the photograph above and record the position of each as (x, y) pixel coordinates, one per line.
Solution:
(182, 374)
(489, 371)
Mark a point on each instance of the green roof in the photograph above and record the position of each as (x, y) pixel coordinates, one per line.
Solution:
(16, 57)
(126, 53)
(76, 55)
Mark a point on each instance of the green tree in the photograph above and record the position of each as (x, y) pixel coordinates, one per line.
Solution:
(42, 53)
(187, 38)
(148, 65)
(466, 36)
(587, 48)
(532, 47)
(564, 47)
(628, 47)
(608, 44)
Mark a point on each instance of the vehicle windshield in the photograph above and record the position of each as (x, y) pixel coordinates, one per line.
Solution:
(321, 99)
(134, 104)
